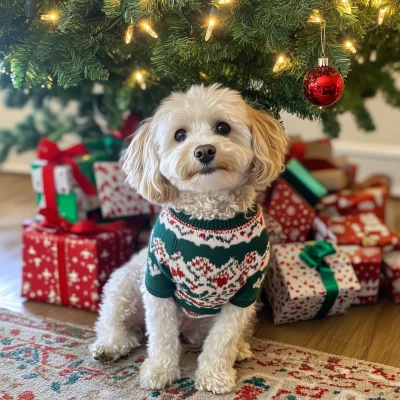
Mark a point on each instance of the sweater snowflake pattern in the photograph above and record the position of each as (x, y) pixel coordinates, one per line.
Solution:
(204, 264)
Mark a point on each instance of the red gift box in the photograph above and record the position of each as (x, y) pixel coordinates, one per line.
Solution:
(363, 229)
(274, 230)
(391, 272)
(292, 212)
(353, 202)
(62, 267)
(366, 263)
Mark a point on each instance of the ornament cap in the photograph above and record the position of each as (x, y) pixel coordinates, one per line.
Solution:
(323, 61)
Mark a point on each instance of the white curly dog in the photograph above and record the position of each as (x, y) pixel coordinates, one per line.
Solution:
(204, 153)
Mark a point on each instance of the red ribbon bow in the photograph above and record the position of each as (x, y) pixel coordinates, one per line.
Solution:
(49, 151)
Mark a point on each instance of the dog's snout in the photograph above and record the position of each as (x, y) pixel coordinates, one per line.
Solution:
(205, 153)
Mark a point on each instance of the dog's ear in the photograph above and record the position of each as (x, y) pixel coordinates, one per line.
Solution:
(269, 142)
(141, 164)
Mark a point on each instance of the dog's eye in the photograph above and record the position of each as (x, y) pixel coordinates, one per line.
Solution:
(223, 128)
(180, 135)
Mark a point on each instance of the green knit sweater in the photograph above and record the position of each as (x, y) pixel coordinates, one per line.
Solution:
(204, 264)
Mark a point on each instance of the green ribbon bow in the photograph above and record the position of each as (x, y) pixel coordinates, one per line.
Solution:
(314, 256)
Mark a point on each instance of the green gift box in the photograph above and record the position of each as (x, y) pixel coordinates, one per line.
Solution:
(303, 182)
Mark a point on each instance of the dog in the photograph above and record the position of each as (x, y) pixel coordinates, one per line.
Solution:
(202, 156)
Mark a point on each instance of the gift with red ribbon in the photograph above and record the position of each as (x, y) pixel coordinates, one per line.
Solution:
(68, 264)
(391, 275)
(64, 179)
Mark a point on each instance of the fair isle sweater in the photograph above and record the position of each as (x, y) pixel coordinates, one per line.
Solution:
(204, 264)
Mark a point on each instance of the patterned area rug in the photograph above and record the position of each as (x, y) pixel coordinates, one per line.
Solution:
(43, 359)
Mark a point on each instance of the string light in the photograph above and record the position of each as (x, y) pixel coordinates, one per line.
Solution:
(140, 80)
(315, 17)
(347, 6)
(129, 34)
(211, 23)
(349, 45)
(149, 30)
(381, 15)
(53, 16)
(280, 63)
(224, 1)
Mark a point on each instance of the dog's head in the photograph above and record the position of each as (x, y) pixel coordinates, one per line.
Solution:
(205, 140)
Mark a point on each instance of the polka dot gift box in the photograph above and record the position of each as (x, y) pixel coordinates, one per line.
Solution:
(291, 211)
(366, 262)
(297, 292)
(117, 199)
(274, 229)
(364, 230)
(353, 202)
(71, 269)
(391, 271)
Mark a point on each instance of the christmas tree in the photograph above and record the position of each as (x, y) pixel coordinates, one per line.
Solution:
(141, 50)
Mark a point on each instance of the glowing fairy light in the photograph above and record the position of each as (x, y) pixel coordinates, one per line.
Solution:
(347, 6)
(140, 80)
(280, 63)
(349, 45)
(210, 28)
(381, 15)
(149, 30)
(52, 17)
(129, 34)
(315, 17)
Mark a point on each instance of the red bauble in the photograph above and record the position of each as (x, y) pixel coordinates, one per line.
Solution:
(323, 86)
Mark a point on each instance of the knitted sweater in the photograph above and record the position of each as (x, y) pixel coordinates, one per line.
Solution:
(205, 264)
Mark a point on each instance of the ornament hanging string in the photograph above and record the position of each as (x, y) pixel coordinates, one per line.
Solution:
(323, 39)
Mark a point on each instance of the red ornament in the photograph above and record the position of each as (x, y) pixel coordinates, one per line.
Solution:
(323, 85)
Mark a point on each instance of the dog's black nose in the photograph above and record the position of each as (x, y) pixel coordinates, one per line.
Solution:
(205, 153)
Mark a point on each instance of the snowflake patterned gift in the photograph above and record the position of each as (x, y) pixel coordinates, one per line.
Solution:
(291, 211)
(363, 229)
(391, 271)
(297, 291)
(117, 198)
(353, 202)
(71, 269)
(366, 262)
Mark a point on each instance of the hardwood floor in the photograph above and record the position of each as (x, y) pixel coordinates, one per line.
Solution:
(366, 332)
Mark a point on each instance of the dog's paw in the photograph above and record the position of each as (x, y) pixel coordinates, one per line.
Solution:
(155, 376)
(244, 351)
(107, 351)
(216, 380)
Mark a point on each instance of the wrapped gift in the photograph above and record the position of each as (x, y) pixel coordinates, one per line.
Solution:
(117, 198)
(353, 202)
(366, 262)
(64, 180)
(274, 229)
(291, 211)
(391, 272)
(333, 179)
(69, 264)
(306, 282)
(304, 183)
(363, 229)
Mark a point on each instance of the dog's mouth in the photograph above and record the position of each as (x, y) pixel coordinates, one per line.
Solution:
(207, 170)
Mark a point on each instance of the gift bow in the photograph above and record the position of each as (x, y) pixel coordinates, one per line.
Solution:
(49, 151)
(314, 256)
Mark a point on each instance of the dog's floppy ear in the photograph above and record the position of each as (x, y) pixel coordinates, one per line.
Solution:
(141, 164)
(269, 142)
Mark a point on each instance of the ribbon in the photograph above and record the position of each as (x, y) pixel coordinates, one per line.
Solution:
(59, 226)
(109, 144)
(49, 151)
(297, 150)
(314, 256)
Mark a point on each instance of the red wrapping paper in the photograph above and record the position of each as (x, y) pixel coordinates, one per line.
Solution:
(274, 230)
(70, 269)
(364, 230)
(292, 212)
(366, 263)
(391, 272)
(353, 202)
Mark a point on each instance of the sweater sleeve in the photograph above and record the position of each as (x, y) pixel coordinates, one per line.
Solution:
(249, 293)
(157, 283)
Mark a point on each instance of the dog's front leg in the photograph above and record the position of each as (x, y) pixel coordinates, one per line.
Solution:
(215, 371)
(161, 367)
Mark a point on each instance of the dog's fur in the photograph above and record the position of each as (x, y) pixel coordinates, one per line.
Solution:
(166, 172)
